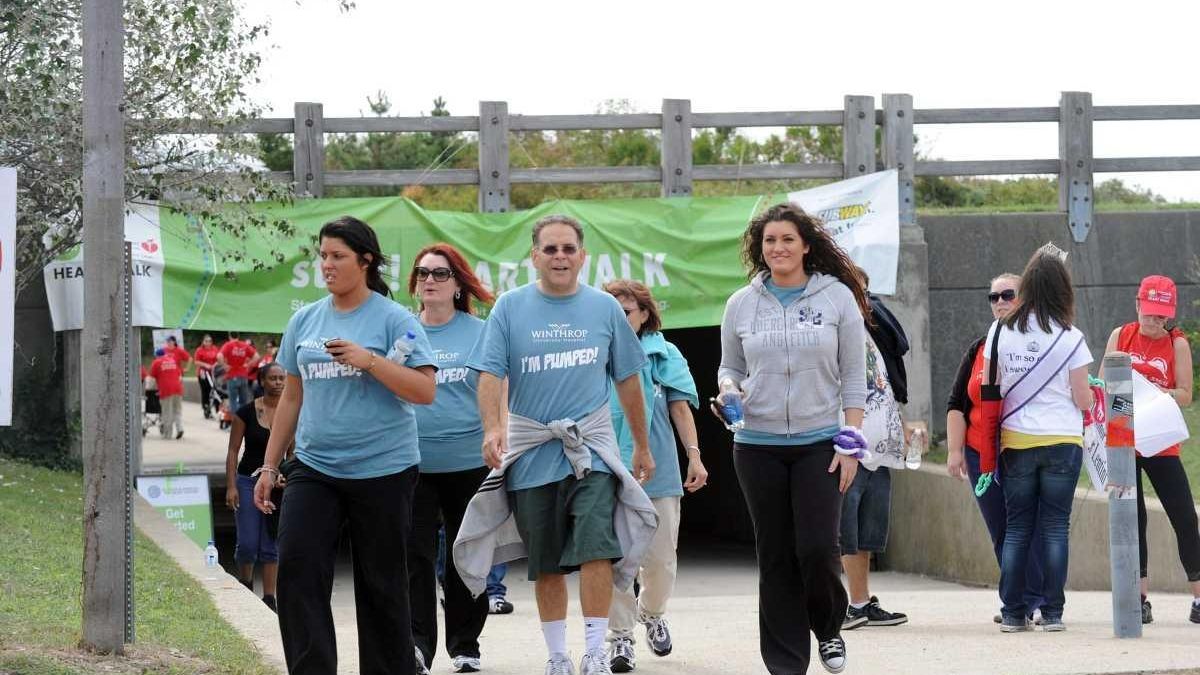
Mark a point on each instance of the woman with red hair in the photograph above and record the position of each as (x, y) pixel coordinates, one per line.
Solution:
(450, 436)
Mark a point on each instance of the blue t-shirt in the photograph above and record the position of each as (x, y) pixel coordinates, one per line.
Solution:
(558, 354)
(667, 481)
(350, 425)
(785, 294)
(450, 431)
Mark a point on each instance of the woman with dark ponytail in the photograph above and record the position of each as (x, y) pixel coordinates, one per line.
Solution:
(356, 364)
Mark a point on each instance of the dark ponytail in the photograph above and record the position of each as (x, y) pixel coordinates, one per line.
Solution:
(361, 239)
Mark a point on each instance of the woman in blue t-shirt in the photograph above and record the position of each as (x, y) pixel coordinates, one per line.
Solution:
(451, 436)
(356, 364)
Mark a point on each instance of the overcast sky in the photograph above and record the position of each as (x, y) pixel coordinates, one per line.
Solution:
(560, 57)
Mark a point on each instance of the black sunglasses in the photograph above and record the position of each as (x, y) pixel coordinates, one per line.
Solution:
(553, 249)
(438, 273)
(1007, 295)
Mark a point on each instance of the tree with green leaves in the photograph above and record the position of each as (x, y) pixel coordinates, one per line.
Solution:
(193, 59)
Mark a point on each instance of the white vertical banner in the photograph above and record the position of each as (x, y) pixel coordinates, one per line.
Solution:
(8, 287)
(863, 215)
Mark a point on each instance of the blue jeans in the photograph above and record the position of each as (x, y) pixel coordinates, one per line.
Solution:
(495, 581)
(254, 542)
(1039, 486)
(995, 517)
(239, 393)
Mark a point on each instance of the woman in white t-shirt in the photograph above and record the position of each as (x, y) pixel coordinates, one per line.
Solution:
(1043, 375)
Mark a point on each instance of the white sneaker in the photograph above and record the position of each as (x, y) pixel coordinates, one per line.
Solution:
(466, 664)
(560, 664)
(595, 663)
(421, 668)
(620, 654)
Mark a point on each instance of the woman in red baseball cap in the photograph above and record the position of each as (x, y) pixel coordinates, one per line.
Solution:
(1161, 354)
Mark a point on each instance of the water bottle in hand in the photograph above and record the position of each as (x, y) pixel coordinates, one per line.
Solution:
(210, 554)
(729, 404)
(918, 441)
(403, 348)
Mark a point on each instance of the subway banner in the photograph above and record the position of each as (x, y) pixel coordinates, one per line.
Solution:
(687, 250)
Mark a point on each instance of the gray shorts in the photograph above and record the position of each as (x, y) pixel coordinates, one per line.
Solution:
(866, 512)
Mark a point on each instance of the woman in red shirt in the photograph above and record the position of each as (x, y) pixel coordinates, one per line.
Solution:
(1162, 355)
(206, 361)
(963, 437)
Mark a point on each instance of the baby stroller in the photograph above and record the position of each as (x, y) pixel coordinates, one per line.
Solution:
(152, 409)
(215, 393)
(220, 399)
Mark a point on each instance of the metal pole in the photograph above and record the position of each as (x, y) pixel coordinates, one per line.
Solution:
(1122, 498)
(103, 352)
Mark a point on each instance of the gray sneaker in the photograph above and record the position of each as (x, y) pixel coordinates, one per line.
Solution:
(1016, 625)
(620, 654)
(658, 636)
(594, 663)
(466, 664)
(560, 664)
(421, 668)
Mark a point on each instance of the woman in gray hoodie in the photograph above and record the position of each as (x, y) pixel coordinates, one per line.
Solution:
(793, 346)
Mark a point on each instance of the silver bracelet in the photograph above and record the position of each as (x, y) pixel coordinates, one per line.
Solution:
(692, 447)
(264, 467)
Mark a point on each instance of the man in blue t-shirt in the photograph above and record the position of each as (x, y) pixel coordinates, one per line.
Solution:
(562, 345)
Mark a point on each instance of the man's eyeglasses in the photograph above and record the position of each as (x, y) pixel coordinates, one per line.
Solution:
(1007, 295)
(438, 273)
(553, 249)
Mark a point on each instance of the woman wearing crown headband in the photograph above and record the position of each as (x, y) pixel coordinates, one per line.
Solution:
(793, 351)
(1161, 354)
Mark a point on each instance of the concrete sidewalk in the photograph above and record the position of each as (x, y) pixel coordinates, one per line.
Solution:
(714, 613)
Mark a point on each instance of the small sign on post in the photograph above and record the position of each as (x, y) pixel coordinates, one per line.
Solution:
(1122, 497)
(184, 500)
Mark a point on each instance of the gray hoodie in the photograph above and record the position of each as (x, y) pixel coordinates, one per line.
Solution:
(798, 365)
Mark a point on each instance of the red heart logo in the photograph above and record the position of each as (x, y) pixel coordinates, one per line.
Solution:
(149, 246)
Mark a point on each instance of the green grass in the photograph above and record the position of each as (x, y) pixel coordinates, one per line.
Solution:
(1190, 454)
(41, 557)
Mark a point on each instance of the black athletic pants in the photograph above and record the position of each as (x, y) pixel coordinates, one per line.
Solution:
(442, 498)
(796, 509)
(1170, 481)
(205, 394)
(378, 512)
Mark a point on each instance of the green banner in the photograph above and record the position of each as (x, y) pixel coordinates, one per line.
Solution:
(687, 250)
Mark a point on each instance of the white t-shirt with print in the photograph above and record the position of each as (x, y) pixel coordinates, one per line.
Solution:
(1052, 412)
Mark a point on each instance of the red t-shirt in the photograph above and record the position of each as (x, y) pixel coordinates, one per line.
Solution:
(166, 371)
(237, 354)
(181, 355)
(1154, 358)
(206, 355)
(976, 435)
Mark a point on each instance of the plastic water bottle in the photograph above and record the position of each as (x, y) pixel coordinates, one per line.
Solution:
(210, 554)
(403, 348)
(918, 440)
(730, 403)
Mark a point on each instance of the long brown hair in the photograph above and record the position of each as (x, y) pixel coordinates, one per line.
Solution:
(824, 255)
(467, 281)
(1046, 293)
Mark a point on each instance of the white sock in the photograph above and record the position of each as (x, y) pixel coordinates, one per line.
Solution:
(555, 633)
(594, 630)
(859, 605)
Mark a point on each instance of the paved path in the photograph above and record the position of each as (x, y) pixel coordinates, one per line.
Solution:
(714, 615)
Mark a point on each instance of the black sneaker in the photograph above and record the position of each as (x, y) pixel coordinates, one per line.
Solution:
(833, 654)
(269, 601)
(620, 655)
(855, 618)
(498, 604)
(1194, 617)
(1148, 613)
(878, 616)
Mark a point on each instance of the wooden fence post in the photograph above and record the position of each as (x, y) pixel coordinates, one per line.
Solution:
(308, 159)
(1076, 195)
(898, 149)
(676, 148)
(494, 183)
(858, 136)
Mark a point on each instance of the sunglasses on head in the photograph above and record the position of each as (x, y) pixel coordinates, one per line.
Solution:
(438, 273)
(553, 249)
(1007, 295)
